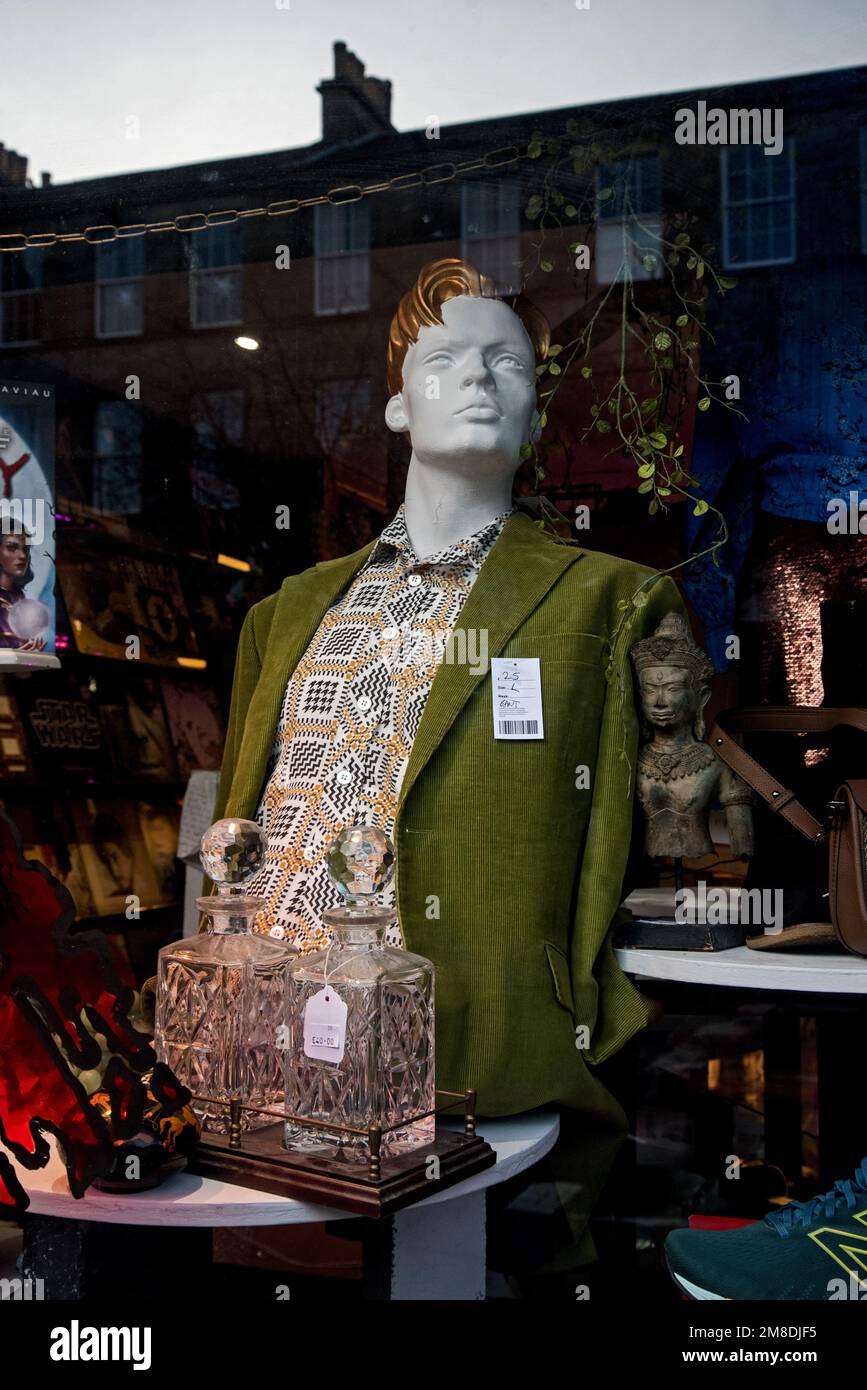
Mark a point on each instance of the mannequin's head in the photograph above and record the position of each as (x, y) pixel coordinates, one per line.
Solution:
(462, 371)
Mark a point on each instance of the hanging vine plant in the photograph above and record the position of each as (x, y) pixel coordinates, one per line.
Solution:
(645, 425)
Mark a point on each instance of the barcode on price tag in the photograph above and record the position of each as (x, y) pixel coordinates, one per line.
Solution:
(516, 691)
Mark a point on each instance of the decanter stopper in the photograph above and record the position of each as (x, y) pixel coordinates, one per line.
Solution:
(231, 852)
(360, 861)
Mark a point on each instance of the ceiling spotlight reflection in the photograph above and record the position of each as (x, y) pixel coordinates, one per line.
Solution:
(248, 344)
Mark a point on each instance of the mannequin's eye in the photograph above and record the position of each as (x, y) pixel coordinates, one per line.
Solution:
(509, 359)
(442, 359)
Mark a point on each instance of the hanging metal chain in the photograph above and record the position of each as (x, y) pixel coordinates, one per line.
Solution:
(199, 221)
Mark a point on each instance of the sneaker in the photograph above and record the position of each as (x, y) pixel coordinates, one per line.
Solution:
(813, 1250)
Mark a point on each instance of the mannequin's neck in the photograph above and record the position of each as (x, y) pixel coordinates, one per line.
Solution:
(442, 506)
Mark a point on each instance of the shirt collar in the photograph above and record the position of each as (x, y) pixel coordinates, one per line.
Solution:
(471, 550)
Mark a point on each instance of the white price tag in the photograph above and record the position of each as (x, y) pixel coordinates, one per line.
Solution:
(325, 1026)
(516, 691)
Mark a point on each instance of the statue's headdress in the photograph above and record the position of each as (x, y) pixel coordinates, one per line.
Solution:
(672, 644)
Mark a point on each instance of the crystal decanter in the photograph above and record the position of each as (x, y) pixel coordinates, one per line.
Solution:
(221, 995)
(360, 1020)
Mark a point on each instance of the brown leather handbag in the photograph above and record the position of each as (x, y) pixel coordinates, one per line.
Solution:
(845, 824)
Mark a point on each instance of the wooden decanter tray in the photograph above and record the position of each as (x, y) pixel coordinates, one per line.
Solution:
(376, 1186)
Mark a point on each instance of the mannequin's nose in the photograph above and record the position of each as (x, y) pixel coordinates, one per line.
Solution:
(474, 372)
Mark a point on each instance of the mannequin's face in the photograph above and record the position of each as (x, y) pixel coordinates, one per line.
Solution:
(469, 389)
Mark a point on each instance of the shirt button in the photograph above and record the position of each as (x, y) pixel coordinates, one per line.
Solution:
(344, 777)
(277, 932)
(364, 703)
(389, 633)
(308, 854)
(414, 580)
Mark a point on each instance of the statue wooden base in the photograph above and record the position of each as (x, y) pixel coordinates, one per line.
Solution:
(664, 934)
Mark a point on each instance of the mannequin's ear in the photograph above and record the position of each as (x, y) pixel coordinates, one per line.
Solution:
(535, 428)
(395, 415)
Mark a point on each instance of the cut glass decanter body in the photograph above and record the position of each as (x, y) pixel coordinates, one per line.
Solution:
(221, 995)
(366, 1012)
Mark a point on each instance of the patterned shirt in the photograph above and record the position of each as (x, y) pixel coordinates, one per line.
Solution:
(350, 713)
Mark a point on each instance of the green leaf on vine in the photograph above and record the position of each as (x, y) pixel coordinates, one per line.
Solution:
(662, 341)
(682, 320)
(547, 266)
(555, 349)
(604, 194)
(727, 282)
(646, 485)
(700, 507)
(586, 372)
(648, 405)
(647, 470)
(657, 439)
(555, 370)
(603, 426)
(571, 210)
(681, 239)
(704, 403)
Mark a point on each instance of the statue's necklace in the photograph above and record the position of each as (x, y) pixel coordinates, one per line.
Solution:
(668, 767)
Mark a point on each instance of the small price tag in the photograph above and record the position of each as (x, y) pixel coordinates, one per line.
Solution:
(325, 1026)
(516, 690)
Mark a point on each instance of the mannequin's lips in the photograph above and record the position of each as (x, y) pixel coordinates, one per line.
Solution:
(480, 410)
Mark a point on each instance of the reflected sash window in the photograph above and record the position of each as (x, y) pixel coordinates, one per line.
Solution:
(758, 206)
(119, 288)
(21, 275)
(117, 461)
(341, 243)
(215, 276)
(628, 220)
(490, 230)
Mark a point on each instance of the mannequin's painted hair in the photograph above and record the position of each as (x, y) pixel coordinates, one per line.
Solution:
(422, 305)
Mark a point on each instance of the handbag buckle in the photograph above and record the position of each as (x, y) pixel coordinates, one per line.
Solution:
(832, 811)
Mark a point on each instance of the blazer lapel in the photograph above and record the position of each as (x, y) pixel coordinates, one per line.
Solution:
(303, 602)
(513, 580)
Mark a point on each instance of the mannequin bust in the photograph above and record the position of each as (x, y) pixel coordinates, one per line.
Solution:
(679, 775)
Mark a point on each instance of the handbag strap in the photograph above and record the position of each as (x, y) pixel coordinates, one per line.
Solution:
(794, 719)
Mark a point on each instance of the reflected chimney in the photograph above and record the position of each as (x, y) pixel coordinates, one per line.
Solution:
(353, 104)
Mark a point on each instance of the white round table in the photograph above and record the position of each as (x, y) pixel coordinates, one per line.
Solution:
(809, 972)
(433, 1250)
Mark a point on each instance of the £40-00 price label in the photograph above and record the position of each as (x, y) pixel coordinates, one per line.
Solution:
(325, 1026)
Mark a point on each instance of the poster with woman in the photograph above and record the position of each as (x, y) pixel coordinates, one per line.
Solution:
(27, 566)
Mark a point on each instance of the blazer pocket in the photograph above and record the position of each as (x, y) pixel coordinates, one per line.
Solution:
(558, 964)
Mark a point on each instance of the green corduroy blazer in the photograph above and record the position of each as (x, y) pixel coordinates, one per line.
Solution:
(510, 860)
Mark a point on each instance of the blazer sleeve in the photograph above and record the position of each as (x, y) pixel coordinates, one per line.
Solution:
(605, 1000)
(248, 665)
